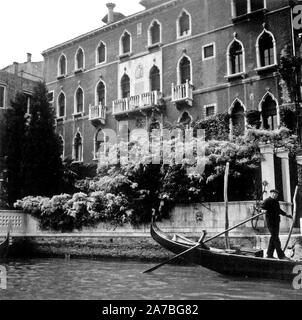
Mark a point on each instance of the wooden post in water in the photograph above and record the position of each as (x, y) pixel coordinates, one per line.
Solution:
(226, 204)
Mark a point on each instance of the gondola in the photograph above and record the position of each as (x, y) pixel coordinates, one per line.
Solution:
(231, 263)
(4, 247)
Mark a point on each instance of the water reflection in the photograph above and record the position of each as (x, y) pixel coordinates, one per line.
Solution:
(99, 280)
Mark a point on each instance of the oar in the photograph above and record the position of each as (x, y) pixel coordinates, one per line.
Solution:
(175, 257)
(200, 242)
(294, 219)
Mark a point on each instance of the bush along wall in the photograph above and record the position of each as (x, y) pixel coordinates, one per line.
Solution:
(128, 191)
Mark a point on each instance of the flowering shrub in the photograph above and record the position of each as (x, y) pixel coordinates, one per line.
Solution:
(127, 191)
(216, 127)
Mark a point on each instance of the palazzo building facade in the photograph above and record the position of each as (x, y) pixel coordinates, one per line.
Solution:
(176, 61)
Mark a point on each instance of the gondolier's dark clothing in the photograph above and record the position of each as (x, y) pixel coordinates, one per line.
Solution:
(273, 213)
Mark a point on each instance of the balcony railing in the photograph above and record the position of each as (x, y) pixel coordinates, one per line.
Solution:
(97, 113)
(183, 93)
(136, 103)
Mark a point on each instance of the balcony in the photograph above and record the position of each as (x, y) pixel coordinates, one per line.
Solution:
(138, 103)
(183, 93)
(97, 114)
(247, 9)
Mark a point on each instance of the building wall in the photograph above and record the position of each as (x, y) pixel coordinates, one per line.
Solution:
(211, 23)
(12, 84)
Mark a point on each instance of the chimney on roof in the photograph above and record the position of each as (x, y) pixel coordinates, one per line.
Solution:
(28, 57)
(16, 68)
(110, 7)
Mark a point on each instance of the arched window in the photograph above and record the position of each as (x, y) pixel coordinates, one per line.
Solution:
(62, 66)
(80, 59)
(266, 50)
(79, 105)
(101, 94)
(61, 105)
(99, 144)
(155, 33)
(155, 79)
(185, 119)
(184, 70)
(78, 148)
(236, 61)
(269, 113)
(62, 146)
(126, 43)
(101, 53)
(125, 86)
(184, 24)
(238, 119)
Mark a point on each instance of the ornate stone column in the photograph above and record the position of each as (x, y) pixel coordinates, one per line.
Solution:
(283, 154)
(267, 166)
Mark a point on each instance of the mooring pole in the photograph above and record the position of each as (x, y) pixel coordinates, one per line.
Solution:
(226, 204)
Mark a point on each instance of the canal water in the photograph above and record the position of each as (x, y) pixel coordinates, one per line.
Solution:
(106, 280)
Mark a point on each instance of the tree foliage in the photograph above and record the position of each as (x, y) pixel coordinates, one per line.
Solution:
(33, 148)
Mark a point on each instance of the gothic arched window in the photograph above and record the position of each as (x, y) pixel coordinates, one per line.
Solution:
(101, 93)
(238, 119)
(236, 58)
(79, 101)
(155, 79)
(78, 148)
(62, 65)
(101, 53)
(185, 70)
(80, 59)
(61, 105)
(125, 86)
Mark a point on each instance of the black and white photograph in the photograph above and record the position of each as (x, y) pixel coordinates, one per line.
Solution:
(151, 153)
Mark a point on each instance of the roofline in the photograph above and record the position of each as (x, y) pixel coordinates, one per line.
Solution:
(109, 26)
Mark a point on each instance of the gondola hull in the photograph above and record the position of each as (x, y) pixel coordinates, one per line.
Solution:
(226, 263)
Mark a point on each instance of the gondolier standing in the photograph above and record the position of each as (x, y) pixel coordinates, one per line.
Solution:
(273, 211)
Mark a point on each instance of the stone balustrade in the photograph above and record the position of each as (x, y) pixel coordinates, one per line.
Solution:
(137, 102)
